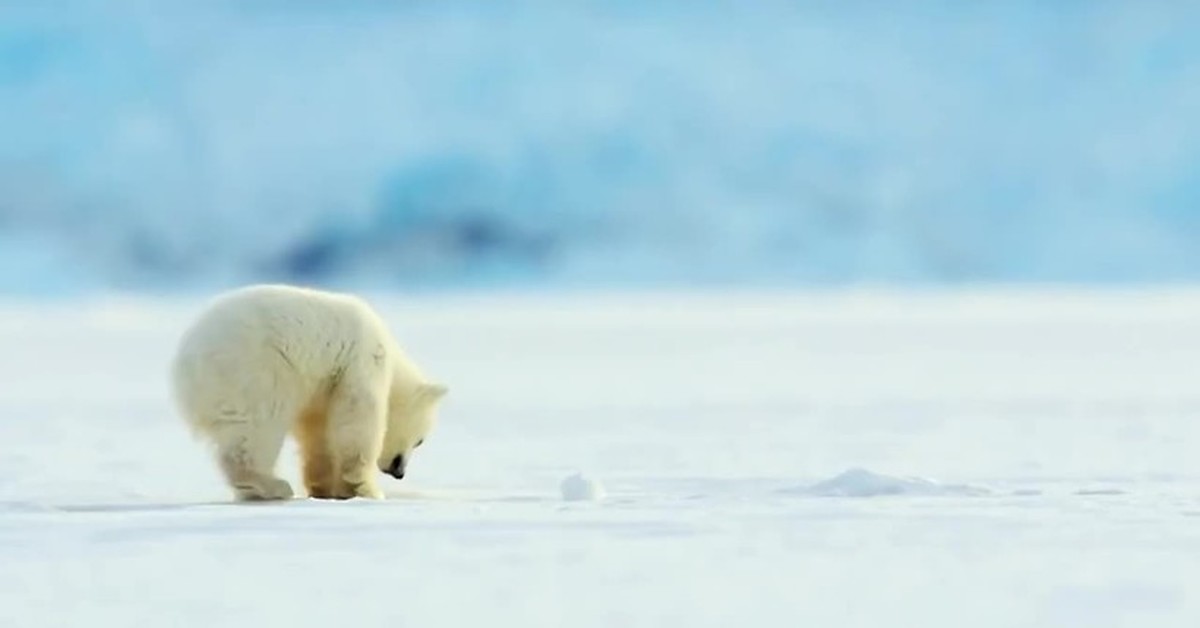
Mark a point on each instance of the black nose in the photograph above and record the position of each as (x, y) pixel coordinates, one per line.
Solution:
(396, 468)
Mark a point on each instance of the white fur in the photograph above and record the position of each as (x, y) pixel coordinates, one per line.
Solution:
(266, 360)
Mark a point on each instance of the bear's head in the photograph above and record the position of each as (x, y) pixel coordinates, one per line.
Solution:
(411, 418)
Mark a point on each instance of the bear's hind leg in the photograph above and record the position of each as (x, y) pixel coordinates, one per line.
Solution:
(356, 424)
(247, 457)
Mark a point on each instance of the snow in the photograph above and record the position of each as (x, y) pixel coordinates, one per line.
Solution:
(866, 483)
(525, 141)
(578, 487)
(702, 414)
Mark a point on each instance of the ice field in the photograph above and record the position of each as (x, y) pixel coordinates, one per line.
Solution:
(978, 459)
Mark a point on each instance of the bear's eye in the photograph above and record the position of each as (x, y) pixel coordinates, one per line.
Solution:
(419, 443)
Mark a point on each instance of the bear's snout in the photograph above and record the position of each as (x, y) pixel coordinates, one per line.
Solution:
(396, 468)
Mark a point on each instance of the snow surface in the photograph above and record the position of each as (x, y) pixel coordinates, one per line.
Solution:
(703, 414)
(149, 142)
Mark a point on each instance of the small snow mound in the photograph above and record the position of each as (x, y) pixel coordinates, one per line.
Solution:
(579, 487)
(864, 483)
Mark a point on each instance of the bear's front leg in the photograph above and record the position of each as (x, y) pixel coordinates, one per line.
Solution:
(320, 478)
(324, 478)
(318, 462)
(358, 477)
(356, 437)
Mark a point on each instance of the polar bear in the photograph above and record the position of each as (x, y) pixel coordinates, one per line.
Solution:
(266, 360)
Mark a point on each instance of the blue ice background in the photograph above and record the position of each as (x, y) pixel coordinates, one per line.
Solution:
(163, 144)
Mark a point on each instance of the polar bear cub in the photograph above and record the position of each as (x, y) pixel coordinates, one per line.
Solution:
(265, 361)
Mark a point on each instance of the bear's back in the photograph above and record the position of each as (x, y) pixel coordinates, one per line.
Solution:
(308, 331)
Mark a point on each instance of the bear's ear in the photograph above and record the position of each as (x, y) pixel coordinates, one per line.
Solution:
(433, 392)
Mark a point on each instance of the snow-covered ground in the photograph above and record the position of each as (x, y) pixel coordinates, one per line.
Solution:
(935, 460)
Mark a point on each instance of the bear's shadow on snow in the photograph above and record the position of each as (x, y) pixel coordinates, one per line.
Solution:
(299, 502)
(147, 507)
